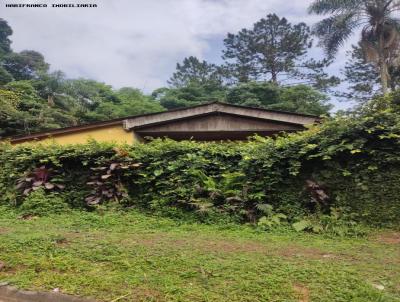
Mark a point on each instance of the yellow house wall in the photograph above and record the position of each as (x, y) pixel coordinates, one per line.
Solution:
(113, 133)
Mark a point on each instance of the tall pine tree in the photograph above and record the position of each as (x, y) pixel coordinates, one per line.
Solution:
(240, 59)
(194, 71)
(277, 51)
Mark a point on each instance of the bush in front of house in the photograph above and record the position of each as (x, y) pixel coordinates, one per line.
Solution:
(348, 166)
(38, 203)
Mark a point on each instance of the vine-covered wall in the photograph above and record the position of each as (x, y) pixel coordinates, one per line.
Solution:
(348, 161)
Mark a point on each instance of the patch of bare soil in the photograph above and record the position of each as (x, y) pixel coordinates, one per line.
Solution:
(201, 244)
(9, 293)
(389, 238)
(2, 265)
(62, 242)
(287, 251)
(28, 217)
(231, 247)
(142, 294)
(226, 246)
(293, 251)
(4, 231)
(72, 236)
(146, 240)
(302, 292)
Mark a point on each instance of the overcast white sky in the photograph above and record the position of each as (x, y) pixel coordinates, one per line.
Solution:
(138, 42)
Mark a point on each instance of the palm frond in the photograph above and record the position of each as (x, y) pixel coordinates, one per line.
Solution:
(323, 7)
(335, 30)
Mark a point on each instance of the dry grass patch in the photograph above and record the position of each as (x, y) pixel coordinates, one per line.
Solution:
(4, 230)
(302, 292)
(389, 238)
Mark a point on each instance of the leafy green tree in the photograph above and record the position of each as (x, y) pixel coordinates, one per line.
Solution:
(90, 101)
(190, 95)
(34, 113)
(380, 37)
(299, 98)
(54, 88)
(8, 103)
(5, 76)
(194, 71)
(24, 90)
(254, 94)
(194, 82)
(130, 102)
(9, 113)
(26, 65)
(51, 86)
(302, 99)
(5, 42)
(89, 93)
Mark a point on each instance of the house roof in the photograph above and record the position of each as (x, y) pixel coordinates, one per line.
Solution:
(221, 108)
(150, 119)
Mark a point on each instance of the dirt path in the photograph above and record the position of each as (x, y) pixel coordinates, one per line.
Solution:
(12, 294)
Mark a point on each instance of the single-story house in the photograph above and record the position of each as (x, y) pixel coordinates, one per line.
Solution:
(206, 122)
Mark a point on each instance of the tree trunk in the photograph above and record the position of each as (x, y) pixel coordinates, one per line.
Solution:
(384, 75)
(50, 100)
(392, 83)
(274, 76)
(383, 68)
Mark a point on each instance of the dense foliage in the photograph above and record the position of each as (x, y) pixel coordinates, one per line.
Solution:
(344, 167)
(297, 98)
(48, 101)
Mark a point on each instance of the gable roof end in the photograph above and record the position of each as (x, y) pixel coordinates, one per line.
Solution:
(190, 112)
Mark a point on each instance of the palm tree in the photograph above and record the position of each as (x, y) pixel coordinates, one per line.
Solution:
(380, 30)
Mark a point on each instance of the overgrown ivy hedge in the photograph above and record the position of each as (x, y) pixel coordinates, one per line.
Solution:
(350, 161)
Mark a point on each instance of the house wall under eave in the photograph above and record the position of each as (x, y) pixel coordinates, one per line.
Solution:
(114, 133)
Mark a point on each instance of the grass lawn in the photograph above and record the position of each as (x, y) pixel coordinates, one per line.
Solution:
(147, 258)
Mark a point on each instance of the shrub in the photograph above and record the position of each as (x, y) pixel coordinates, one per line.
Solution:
(340, 222)
(40, 204)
